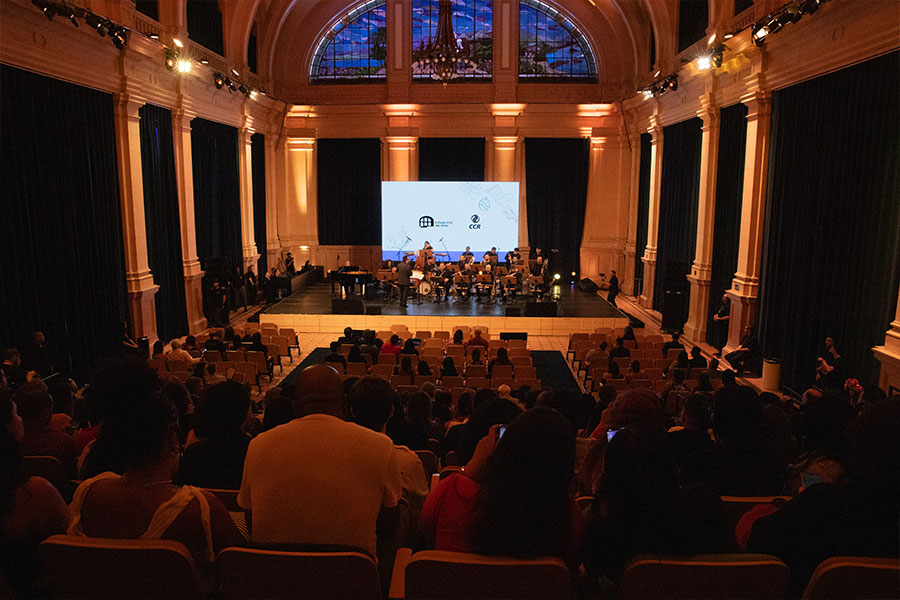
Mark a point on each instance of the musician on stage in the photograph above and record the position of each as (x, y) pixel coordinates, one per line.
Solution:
(484, 288)
(463, 283)
(536, 254)
(464, 258)
(490, 256)
(539, 270)
(404, 271)
(427, 246)
(442, 279)
(512, 258)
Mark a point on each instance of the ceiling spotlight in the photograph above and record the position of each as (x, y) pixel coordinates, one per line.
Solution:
(253, 94)
(219, 80)
(177, 42)
(119, 37)
(204, 61)
(230, 84)
(66, 11)
(728, 36)
(704, 63)
(244, 90)
(760, 32)
(48, 7)
(235, 73)
(171, 60)
(184, 65)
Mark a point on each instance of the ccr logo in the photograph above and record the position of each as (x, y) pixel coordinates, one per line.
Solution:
(426, 222)
(475, 222)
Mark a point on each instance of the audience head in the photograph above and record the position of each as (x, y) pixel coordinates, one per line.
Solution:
(696, 352)
(371, 402)
(522, 506)
(703, 382)
(682, 361)
(348, 332)
(190, 341)
(419, 409)
(395, 340)
(496, 411)
(464, 404)
(614, 369)
(223, 411)
(177, 393)
(427, 387)
(504, 392)
(409, 347)
(406, 365)
(458, 336)
(279, 410)
(639, 406)
(319, 390)
(676, 335)
(729, 378)
(476, 333)
(713, 365)
(448, 366)
(335, 346)
(738, 418)
(158, 347)
(695, 413)
(502, 355)
(34, 404)
(635, 366)
(678, 376)
(176, 344)
(874, 453)
(619, 341)
(564, 402)
(476, 356)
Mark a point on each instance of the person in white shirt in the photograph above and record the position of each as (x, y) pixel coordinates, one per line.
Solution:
(178, 359)
(319, 479)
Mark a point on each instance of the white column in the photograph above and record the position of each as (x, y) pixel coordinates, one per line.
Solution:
(273, 244)
(140, 288)
(245, 168)
(701, 270)
(403, 161)
(889, 354)
(649, 258)
(298, 220)
(634, 182)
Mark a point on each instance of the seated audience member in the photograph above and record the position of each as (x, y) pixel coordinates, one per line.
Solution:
(460, 414)
(697, 361)
(62, 393)
(371, 345)
(606, 395)
(729, 379)
(619, 350)
(178, 359)
(215, 342)
(635, 372)
(392, 346)
(673, 343)
(515, 497)
(477, 340)
(704, 384)
(422, 368)
(594, 358)
(442, 407)
(420, 425)
(31, 509)
(676, 385)
(371, 402)
(159, 349)
(614, 372)
(458, 338)
(409, 348)
(448, 368)
(477, 357)
(216, 460)
(501, 359)
(741, 463)
(320, 479)
(355, 355)
(349, 337)
(693, 435)
(336, 356)
(190, 343)
(639, 508)
(143, 502)
(279, 409)
(256, 345)
(713, 370)
(485, 413)
(12, 367)
(35, 406)
(629, 334)
(825, 424)
(404, 367)
(211, 376)
(747, 353)
(681, 363)
(856, 517)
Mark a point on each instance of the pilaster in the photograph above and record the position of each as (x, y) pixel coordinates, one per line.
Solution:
(606, 219)
(744, 290)
(184, 178)
(889, 354)
(701, 270)
(298, 219)
(245, 168)
(634, 177)
(649, 258)
(140, 288)
(403, 155)
(273, 244)
(506, 156)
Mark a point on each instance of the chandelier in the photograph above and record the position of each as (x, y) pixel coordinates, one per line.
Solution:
(443, 58)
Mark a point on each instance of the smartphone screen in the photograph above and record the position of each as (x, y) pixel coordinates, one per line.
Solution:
(501, 431)
(611, 433)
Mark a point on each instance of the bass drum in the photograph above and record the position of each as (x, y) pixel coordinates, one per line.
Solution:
(425, 288)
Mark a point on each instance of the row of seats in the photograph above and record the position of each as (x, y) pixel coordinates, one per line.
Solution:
(78, 567)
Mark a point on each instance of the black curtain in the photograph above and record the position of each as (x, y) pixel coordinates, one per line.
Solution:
(217, 196)
(349, 191)
(693, 18)
(252, 53)
(556, 179)
(147, 7)
(832, 231)
(204, 24)
(643, 212)
(163, 221)
(258, 159)
(62, 264)
(451, 159)
(729, 199)
(679, 195)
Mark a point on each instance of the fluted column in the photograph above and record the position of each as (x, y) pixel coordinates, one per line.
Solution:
(649, 258)
(744, 290)
(701, 270)
(140, 288)
(245, 169)
(184, 178)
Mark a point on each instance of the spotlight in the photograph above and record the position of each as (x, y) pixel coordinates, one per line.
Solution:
(808, 7)
(171, 60)
(760, 32)
(96, 22)
(153, 36)
(728, 36)
(648, 93)
(556, 276)
(66, 11)
(253, 94)
(177, 42)
(48, 7)
(230, 84)
(204, 61)
(119, 37)
(105, 27)
(704, 63)
(235, 73)
(244, 90)
(219, 80)
(184, 65)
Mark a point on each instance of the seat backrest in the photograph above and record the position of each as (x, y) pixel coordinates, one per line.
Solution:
(441, 335)
(423, 334)
(525, 372)
(82, 567)
(339, 367)
(518, 344)
(258, 359)
(434, 574)
(854, 578)
(476, 383)
(158, 365)
(420, 379)
(235, 355)
(430, 462)
(502, 371)
(212, 356)
(476, 371)
(382, 371)
(356, 369)
(254, 573)
(519, 352)
(47, 467)
(451, 382)
(705, 576)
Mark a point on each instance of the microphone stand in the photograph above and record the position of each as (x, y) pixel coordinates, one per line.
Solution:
(400, 251)
(445, 248)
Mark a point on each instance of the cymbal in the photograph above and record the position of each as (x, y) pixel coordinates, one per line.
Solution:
(441, 254)
(409, 253)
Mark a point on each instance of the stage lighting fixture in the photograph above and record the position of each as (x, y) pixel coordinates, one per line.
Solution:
(808, 7)
(204, 61)
(556, 276)
(760, 33)
(791, 14)
(177, 42)
(230, 84)
(66, 11)
(47, 7)
(704, 63)
(97, 22)
(648, 93)
(119, 36)
(184, 65)
(171, 60)
(219, 80)
(235, 73)
(253, 94)
(728, 36)
(244, 90)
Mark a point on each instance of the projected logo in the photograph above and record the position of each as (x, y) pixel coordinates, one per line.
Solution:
(476, 222)
(426, 222)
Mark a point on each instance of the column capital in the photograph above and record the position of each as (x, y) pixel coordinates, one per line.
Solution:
(655, 129)
(129, 104)
(305, 144)
(709, 112)
(758, 103)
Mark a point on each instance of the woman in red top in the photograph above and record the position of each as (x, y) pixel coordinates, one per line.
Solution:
(515, 497)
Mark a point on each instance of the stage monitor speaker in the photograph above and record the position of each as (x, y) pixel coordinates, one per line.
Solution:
(350, 306)
(513, 311)
(373, 310)
(514, 335)
(672, 311)
(586, 285)
(540, 309)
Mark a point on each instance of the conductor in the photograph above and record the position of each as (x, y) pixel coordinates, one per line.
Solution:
(404, 270)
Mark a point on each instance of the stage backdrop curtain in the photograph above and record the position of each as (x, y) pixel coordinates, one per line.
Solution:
(556, 178)
(204, 23)
(832, 230)
(217, 196)
(62, 264)
(349, 192)
(729, 199)
(643, 212)
(451, 159)
(679, 194)
(258, 160)
(163, 221)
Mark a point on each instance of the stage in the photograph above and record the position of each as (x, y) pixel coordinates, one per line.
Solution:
(310, 310)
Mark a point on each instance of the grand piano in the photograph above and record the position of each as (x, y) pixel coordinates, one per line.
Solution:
(349, 278)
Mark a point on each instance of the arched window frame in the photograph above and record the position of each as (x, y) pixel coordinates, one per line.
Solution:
(331, 34)
(577, 34)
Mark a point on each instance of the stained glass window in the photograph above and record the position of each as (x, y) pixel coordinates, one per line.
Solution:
(354, 48)
(472, 26)
(551, 47)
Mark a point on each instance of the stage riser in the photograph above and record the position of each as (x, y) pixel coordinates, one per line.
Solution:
(531, 325)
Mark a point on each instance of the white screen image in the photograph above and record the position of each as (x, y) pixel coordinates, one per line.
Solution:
(450, 215)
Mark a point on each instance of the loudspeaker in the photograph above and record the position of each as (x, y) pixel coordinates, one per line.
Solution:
(540, 309)
(373, 310)
(586, 285)
(350, 306)
(513, 311)
(672, 311)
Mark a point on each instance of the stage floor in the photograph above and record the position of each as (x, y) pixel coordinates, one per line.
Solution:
(310, 310)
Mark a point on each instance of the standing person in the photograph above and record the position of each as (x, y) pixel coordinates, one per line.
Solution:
(722, 318)
(403, 279)
(238, 287)
(613, 290)
(251, 285)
